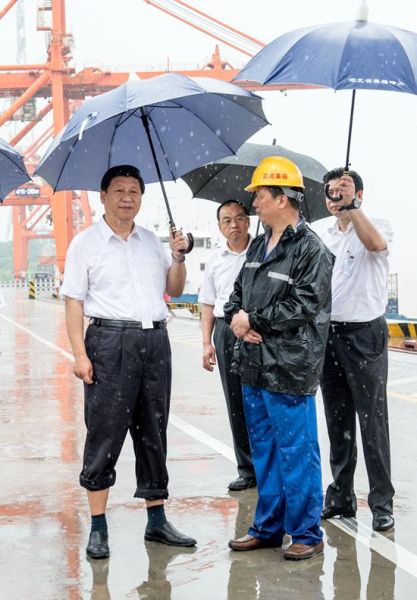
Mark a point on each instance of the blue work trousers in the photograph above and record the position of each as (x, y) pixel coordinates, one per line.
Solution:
(285, 452)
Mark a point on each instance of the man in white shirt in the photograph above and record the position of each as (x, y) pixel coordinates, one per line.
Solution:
(354, 377)
(115, 274)
(221, 272)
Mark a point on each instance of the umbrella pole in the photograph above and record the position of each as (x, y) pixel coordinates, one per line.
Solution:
(352, 108)
(145, 122)
(172, 225)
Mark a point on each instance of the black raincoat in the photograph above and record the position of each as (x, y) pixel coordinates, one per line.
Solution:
(288, 299)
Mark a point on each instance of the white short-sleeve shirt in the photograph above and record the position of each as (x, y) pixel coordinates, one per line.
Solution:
(116, 278)
(359, 281)
(221, 272)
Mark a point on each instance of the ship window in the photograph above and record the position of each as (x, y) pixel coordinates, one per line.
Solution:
(202, 266)
(208, 243)
(199, 242)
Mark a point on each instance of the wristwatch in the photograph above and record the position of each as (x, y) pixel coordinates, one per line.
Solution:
(356, 203)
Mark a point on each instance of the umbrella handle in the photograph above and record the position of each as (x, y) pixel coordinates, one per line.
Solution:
(327, 192)
(190, 242)
(189, 236)
(338, 198)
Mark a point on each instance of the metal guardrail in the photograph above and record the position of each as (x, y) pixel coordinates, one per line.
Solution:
(403, 331)
(194, 308)
(15, 283)
(35, 288)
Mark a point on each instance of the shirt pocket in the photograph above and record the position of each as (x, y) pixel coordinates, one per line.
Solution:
(348, 265)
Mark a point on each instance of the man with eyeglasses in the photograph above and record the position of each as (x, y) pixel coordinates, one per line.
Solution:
(221, 272)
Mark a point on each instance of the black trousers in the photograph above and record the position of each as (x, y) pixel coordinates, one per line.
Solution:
(131, 392)
(224, 341)
(354, 381)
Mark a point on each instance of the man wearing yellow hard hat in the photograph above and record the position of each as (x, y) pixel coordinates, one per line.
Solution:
(279, 311)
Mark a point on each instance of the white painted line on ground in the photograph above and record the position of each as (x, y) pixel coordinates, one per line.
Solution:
(39, 338)
(402, 558)
(403, 380)
(203, 437)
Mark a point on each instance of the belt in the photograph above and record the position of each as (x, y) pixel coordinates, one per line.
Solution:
(115, 324)
(352, 325)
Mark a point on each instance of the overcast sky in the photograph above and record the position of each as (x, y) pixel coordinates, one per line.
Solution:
(130, 33)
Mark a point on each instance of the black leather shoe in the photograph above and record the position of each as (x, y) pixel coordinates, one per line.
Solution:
(329, 512)
(383, 522)
(242, 483)
(167, 534)
(97, 546)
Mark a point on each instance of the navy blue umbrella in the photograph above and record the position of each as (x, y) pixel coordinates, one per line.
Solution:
(12, 169)
(165, 126)
(351, 55)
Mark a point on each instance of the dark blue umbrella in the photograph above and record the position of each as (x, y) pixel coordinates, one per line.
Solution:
(12, 169)
(351, 55)
(166, 126)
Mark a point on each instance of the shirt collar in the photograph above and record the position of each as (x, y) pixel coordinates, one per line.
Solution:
(288, 231)
(301, 221)
(107, 232)
(226, 250)
(335, 229)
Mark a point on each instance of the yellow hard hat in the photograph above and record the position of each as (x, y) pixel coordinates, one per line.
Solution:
(276, 171)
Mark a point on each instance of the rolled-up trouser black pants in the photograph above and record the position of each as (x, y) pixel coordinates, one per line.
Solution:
(131, 392)
(354, 380)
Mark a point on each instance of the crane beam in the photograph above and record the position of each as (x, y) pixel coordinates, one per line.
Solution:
(45, 110)
(6, 9)
(209, 25)
(90, 82)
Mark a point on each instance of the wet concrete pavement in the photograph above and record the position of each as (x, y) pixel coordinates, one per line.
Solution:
(44, 520)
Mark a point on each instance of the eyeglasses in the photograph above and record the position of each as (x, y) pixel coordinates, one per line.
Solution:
(237, 220)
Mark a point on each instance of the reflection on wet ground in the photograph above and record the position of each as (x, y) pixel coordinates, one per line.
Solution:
(44, 519)
(402, 343)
